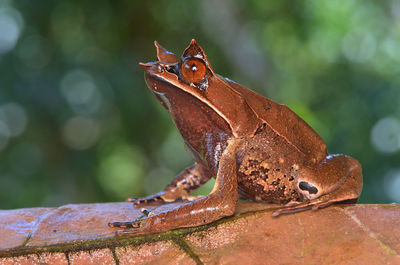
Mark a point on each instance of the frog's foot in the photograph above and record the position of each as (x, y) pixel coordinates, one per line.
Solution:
(294, 208)
(323, 202)
(130, 227)
(198, 212)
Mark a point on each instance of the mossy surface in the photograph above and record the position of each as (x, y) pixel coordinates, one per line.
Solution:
(175, 236)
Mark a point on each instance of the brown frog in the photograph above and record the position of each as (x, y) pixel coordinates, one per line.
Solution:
(255, 148)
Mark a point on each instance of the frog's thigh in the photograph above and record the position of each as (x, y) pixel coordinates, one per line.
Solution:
(341, 178)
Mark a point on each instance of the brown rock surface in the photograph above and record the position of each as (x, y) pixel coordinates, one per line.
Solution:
(17, 225)
(78, 234)
(163, 252)
(93, 257)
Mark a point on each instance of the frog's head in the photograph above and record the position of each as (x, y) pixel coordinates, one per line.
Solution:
(191, 74)
(189, 85)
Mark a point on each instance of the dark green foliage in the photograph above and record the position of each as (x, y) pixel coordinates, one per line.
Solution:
(77, 123)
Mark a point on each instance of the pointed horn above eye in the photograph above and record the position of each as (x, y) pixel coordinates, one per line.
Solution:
(164, 55)
(194, 50)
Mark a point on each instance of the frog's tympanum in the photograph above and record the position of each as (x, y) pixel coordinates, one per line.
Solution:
(256, 149)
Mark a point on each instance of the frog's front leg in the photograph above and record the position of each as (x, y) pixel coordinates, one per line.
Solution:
(337, 179)
(219, 203)
(188, 180)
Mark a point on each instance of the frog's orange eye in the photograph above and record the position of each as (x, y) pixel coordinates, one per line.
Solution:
(193, 70)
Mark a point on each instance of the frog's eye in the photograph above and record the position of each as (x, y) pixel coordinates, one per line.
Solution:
(193, 70)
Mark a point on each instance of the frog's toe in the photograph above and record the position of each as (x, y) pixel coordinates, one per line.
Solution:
(292, 209)
(146, 200)
(158, 198)
(125, 225)
(321, 205)
(129, 228)
(292, 203)
(132, 199)
(129, 232)
(191, 198)
(155, 198)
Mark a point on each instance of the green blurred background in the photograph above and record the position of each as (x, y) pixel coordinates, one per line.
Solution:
(77, 123)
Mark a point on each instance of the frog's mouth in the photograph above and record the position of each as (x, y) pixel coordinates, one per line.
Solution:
(160, 87)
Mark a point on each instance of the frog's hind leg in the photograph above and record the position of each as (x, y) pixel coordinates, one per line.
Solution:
(179, 189)
(342, 184)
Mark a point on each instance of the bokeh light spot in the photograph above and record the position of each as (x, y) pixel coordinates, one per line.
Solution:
(14, 116)
(10, 28)
(80, 132)
(392, 184)
(385, 135)
(81, 93)
(121, 170)
(359, 46)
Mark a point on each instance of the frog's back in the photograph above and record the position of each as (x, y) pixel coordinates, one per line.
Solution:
(285, 123)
